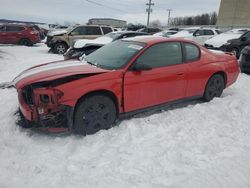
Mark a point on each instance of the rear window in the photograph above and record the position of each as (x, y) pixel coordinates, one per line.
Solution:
(192, 52)
(106, 30)
(218, 31)
(14, 28)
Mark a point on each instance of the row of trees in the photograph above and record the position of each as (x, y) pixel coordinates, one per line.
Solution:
(203, 19)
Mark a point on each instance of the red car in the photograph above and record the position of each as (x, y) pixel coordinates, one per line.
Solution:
(18, 34)
(124, 76)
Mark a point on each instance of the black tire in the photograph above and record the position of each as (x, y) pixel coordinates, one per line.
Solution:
(214, 87)
(94, 113)
(25, 42)
(60, 48)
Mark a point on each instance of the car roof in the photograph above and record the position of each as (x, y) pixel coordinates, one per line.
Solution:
(128, 32)
(156, 39)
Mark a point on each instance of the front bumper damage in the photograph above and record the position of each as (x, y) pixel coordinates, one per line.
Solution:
(41, 109)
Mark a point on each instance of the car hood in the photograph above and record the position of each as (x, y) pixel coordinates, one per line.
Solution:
(55, 70)
(56, 32)
(221, 39)
(98, 41)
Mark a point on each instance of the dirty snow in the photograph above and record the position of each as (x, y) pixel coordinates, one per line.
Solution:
(192, 144)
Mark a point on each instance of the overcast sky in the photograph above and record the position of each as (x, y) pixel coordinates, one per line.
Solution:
(79, 11)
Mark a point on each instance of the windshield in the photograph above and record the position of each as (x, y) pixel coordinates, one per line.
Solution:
(114, 55)
(70, 28)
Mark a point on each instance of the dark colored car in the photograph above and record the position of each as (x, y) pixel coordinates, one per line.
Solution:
(18, 34)
(245, 60)
(235, 45)
(91, 45)
(125, 76)
(150, 30)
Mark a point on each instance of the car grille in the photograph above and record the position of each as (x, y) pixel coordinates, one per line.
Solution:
(27, 95)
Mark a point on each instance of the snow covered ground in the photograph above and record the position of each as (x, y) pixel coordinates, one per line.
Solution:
(193, 145)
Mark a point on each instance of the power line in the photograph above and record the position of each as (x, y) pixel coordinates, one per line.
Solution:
(102, 5)
(149, 10)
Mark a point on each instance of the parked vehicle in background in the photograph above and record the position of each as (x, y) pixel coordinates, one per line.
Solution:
(60, 41)
(165, 33)
(19, 34)
(85, 46)
(150, 30)
(199, 35)
(244, 60)
(42, 33)
(125, 76)
(232, 41)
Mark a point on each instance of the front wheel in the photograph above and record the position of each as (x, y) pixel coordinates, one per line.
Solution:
(214, 87)
(94, 113)
(60, 48)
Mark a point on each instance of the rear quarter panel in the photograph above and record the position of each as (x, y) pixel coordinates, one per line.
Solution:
(200, 71)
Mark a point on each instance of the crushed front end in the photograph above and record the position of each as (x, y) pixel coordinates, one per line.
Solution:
(41, 108)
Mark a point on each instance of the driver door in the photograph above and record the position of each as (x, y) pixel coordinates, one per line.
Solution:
(166, 81)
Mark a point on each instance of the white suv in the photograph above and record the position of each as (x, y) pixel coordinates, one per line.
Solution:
(199, 35)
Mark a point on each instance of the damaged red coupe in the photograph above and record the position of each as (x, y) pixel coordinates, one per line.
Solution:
(126, 76)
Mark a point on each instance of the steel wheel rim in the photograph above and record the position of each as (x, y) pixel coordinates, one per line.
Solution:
(215, 88)
(96, 117)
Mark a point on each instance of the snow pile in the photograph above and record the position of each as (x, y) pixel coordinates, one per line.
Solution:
(192, 144)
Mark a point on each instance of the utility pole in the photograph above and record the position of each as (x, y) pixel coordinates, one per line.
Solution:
(169, 12)
(149, 10)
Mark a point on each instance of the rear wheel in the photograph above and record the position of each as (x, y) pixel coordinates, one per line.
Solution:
(25, 42)
(60, 48)
(214, 87)
(94, 113)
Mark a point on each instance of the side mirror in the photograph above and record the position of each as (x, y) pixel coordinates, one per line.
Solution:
(243, 39)
(140, 67)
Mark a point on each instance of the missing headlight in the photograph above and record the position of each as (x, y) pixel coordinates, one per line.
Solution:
(44, 99)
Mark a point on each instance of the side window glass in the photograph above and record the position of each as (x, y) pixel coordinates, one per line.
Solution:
(208, 32)
(106, 30)
(13, 28)
(199, 33)
(161, 55)
(94, 31)
(192, 52)
(79, 31)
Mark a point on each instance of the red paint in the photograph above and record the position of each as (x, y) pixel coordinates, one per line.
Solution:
(136, 90)
(14, 37)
